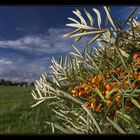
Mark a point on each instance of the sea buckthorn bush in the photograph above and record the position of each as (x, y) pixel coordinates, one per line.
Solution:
(96, 91)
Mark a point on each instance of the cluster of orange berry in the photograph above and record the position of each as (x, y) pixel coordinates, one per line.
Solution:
(110, 89)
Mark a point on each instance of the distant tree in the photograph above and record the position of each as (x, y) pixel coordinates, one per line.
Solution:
(2, 81)
(32, 84)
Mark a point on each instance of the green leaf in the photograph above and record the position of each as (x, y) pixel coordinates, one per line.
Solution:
(109, 17)
(116, 126)
(126, 118)
(135, 102)
(97, 91)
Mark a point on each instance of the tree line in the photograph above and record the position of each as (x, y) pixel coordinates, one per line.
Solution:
(13, 83)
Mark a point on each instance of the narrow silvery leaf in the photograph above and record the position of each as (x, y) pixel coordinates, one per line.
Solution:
(80, 17)
(89, 17)
(70, 33)
(37, 89)
(124, 53)
(109, 17)
(74, 20)
(88, 33)
(79, 26)
(37, 103)
(78, 11)
(34, 95)
(77, 50)
(93, 119)
(94, 38)
(53, 130)
(62, 129)
(77, 38)
(98, 17)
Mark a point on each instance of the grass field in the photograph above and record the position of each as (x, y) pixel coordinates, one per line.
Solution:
(16, 114)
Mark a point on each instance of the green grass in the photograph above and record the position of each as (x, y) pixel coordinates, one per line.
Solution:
(16, 114)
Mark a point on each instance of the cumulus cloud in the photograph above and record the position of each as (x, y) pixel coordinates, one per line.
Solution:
(51, 42)
(41, 47)
(5, 62)
(24, 70)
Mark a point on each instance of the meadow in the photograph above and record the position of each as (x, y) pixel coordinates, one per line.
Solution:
(16, 114)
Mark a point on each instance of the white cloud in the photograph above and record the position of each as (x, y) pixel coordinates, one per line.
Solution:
(46, 45)
(23, 70)
(5, 62)
(51, 42)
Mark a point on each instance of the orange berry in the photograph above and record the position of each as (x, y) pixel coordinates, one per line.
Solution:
(127, 82)
(139, 63)
(118, 70)
(138, 78)
(108, 75)
(88, 83)
(74, 91)
(136, 74)
(89, 91)
(94, 105)
(90, 97)
(86, 88)
(83, 85)
(81, 92)
(100, 78)
(118, 98)
(98, 108)
(108, 87)
(131, 76)
(108, 102)
(93, 80)
(136, 55)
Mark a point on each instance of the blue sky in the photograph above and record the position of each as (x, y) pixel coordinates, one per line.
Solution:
(31, 36)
